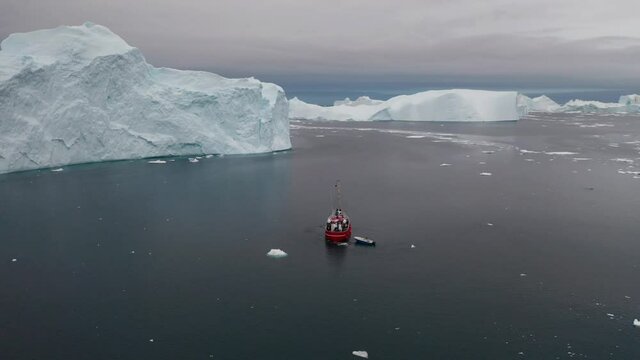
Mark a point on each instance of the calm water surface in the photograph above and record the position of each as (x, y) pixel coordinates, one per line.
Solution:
(539, 260)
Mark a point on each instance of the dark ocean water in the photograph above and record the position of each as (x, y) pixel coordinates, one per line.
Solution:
(540, 260)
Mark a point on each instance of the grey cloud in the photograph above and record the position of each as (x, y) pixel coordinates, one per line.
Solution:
(571, 41)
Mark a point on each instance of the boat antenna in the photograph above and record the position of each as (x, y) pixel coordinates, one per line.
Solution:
(339, 194)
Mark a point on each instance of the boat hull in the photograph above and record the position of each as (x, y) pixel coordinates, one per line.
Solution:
(337, 236)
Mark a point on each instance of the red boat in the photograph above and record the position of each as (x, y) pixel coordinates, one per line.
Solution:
(338, 226)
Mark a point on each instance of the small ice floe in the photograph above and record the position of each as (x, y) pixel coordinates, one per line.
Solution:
(529, 160)
(523, 151)
(445, 164)
(276, 253)
(209, 156)
(636, 322)
(193, 160)
(486, 174)
(57, 170)
(14, 260)
(610, 315)
(132, 252)
(415, 137)
(628, 161)
(627, 297)
(157, 162)
(150, 340)
(482, 163)
(580, 159)
(614, 145)
(488, 152)
(361, 353)
(523, 275)
(560, 153)
(320, 136)
(489, 224)
(413, 246)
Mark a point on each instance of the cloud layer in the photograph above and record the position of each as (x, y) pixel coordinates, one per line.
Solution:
(578, 42)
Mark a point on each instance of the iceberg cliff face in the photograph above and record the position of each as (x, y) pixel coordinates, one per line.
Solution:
(434, 105)
(79, 94)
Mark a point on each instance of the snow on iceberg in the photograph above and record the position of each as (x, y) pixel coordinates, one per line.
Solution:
(78, 94)
(433, 105)
(538, 104)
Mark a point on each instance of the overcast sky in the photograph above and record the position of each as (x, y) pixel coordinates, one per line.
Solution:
(537, 43)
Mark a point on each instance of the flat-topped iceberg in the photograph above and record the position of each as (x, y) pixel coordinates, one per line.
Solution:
(78, 94)
(433, 105)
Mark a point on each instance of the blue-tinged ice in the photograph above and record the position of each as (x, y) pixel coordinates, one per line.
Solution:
(78, 94)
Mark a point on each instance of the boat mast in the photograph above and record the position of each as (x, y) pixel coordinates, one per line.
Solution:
(339, 194)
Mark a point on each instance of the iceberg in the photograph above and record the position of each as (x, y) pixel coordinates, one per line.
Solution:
(433, 105)
(78, 94)
(538, 104)
(362, 100)
(632, 99)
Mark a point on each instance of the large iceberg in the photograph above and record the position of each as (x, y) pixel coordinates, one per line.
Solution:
(78, 94)
(434, 105)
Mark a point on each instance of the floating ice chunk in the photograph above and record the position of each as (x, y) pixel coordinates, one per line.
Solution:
(157, 162)
(489, 224)
(415, 137)
(57, 170)
(488, 152)
(523, 275)
(413, 246)
(560, 153)
(209, 156)
(276, 253)
(580, 159)
(361, 353)
(445, 164)
(14, 260)
(628, 161)
(319, 136)
(150, 340)
(636, 322)
(529, 151)
(193, 160)
(486, 174)
(610, 315)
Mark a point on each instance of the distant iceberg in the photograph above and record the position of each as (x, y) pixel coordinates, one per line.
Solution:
(433, 105)
(627, 104)
(538, 104)
(78, 94)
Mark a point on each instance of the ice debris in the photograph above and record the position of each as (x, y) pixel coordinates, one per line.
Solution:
(276, 253)
(361, 353)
